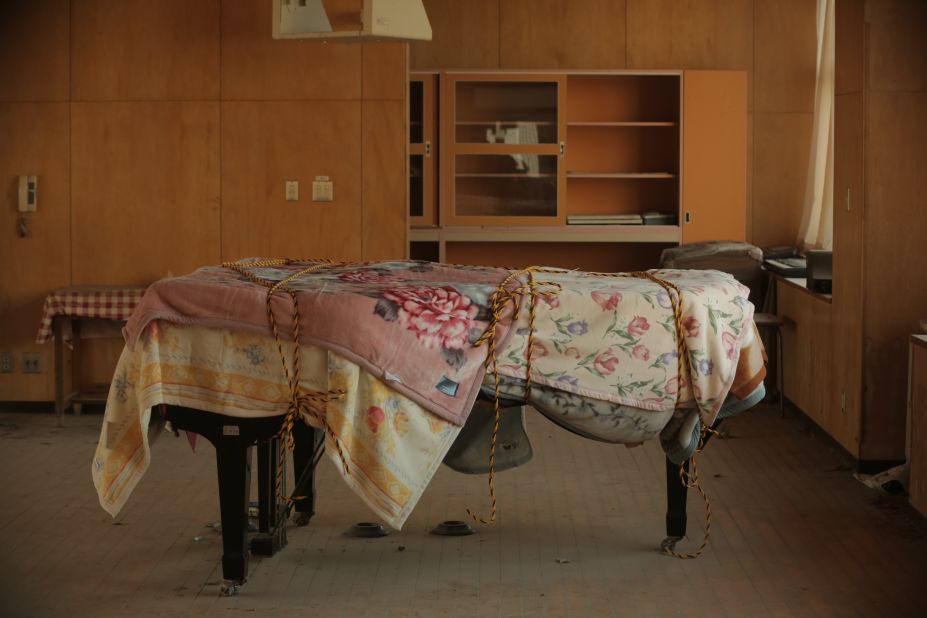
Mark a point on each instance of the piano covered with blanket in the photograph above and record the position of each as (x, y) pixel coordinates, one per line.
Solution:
(382, 362)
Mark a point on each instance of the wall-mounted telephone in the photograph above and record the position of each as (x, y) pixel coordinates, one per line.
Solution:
(27, 193)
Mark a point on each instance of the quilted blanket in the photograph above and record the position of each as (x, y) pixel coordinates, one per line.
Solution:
(412, 324)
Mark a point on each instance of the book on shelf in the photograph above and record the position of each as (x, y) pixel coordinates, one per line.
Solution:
(630, 219)
(659, 218)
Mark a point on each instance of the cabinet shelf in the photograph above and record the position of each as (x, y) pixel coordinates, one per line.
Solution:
(503, 175)
(604, 123)
(495, 121)
(630, 175)
(560, 233)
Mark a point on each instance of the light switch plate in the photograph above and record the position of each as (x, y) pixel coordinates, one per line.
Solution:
(322, 189)
(292, 190)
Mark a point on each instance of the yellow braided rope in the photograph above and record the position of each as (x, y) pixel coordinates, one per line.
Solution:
(301, 405)
(309, 403)
(503, 296)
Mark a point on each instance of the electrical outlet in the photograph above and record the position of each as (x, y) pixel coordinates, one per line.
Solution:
(32, 362)
(6, 362)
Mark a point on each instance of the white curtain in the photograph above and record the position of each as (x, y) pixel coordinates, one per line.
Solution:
(817, 226)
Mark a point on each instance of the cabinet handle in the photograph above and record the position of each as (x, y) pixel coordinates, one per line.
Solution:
(427, 148)
(562, 148)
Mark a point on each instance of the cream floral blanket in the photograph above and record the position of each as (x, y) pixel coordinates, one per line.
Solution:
(613, 338)
(391, 444)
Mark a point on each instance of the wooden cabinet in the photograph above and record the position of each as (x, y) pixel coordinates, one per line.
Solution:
(917, 411)
(714, 156)
(622, 154)
(806, 350)
(502, 150)
(423, 153)
(569, 160)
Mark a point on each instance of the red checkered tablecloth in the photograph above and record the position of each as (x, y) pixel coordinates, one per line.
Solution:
(115, 303)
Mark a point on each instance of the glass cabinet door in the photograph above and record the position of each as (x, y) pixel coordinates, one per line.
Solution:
(503, 150)
(423, 156)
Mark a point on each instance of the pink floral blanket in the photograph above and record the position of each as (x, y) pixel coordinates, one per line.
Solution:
(412, 324)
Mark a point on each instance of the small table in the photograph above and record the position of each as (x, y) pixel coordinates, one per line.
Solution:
(66, 308)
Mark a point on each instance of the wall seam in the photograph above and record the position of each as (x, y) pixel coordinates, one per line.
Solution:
(221, 107)
(70, 145)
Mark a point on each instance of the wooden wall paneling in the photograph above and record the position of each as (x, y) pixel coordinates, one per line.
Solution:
(385, 71)
(667, 34)
(848, 304)
(849, 46)
(144, 191)
(785, 44)
(782, 144)
(751, 172)
(385, 199)
(714, 157)
(34, 50)
(166, 50)
(98, 359)
(35, 141)
(264, 144)
(465, 35)
(897, 45)
(527, 41)
(896, 281)
(258, 67)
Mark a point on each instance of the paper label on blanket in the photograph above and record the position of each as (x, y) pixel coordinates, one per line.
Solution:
(614, 338)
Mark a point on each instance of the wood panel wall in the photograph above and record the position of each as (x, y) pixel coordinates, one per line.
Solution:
(880, 287)
(772, 40)
(162, 134)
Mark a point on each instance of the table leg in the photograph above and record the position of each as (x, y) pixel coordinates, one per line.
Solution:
(58, 326)
(233, 460)
(75, 362)
(676, 494)
(271, 535)
(308, 440)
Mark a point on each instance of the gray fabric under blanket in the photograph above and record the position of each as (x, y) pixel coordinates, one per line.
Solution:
(615, 423)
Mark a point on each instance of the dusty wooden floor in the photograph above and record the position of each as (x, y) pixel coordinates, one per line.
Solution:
(793, 535)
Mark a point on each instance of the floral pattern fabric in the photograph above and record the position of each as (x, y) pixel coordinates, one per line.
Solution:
(411, 323)
(613, 338)
(391, 444)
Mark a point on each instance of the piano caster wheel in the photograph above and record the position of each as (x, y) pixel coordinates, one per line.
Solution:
(669, 543)
(302, 519)
(230, 588)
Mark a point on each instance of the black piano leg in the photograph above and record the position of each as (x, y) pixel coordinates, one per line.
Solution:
(271, 536)
(233, 459)
(675, 504)
(308, 442)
